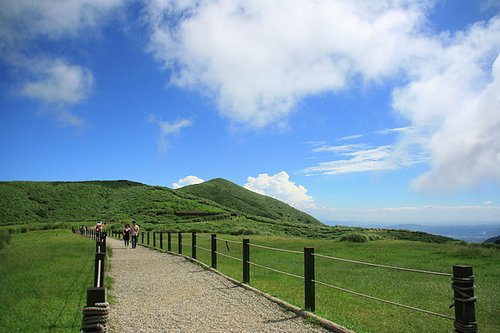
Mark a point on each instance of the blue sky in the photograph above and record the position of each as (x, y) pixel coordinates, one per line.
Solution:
(353, 111)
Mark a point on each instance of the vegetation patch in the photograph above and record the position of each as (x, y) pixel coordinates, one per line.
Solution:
(4, 238)
(44, 277)
(355, 237)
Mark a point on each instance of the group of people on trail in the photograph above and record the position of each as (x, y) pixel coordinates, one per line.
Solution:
(130, 232)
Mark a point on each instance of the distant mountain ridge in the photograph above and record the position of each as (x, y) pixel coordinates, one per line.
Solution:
(231, 195)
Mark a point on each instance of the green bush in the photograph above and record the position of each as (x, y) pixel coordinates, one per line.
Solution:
(4, 238)
(355, 238)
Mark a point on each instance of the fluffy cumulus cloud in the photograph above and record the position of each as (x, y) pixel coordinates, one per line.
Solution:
(189, 180)
(280, 187)
(50, 78)
(258, 59)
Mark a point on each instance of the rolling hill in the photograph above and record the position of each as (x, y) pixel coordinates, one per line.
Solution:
(247, 202)
(216, 206)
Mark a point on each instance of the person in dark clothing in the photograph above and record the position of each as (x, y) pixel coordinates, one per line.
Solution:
(126, 235)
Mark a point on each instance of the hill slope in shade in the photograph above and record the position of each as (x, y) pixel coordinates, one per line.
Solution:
(244, 201)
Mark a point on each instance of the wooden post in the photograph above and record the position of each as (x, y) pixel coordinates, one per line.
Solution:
(142, 237)
(104, 235)
(179, 243)
(193, 245)
(161, 240)
(463, 292)
(148, 238)
(309, 292)
(169, 241)
(154, 238)
(246, 261)
(214, 251)
(99, 270)
(96, 295)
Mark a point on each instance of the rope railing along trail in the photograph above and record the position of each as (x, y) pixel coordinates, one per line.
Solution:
(462, 286)
(383, 266)
(157, 292)
(96, 311)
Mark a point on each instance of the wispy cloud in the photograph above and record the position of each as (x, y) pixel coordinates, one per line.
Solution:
(394, 130)
(51, 78)
(361, 158)
(351, 137)
(168, 128)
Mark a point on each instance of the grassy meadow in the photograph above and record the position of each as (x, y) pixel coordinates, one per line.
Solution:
(428, 292)
(44, 276)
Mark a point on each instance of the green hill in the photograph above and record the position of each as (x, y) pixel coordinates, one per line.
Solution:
(247, 202)
(217, 206)
(28, 202)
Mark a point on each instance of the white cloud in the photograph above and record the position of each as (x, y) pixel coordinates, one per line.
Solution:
(361, 158)
(280, 187)
(23, 20)
(50, 78)
(453, 101)
(59, 82)
(396, 130)
(186, 181)
(258, 59)
(351, 137)
(168, 128)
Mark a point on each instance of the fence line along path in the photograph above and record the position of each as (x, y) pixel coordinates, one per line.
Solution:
(158, 292)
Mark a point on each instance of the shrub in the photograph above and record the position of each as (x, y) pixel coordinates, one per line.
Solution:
(374, 237)
(355, 238)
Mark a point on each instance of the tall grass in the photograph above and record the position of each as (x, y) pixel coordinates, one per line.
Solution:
(360, 314)
(43, 279)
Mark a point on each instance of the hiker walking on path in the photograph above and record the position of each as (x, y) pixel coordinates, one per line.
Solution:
(135, 233)
(126, 235)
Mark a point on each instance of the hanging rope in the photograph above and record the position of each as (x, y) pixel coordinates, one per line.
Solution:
(95, 318)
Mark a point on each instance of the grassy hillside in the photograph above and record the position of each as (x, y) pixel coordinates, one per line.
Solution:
(231, 208)
(247, 202)
(28, 202)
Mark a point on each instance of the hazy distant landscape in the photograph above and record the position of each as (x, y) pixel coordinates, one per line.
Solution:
(470, 233)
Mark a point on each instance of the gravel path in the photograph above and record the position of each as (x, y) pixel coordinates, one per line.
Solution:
(158, 292)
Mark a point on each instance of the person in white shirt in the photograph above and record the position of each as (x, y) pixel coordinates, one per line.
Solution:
(134, 231)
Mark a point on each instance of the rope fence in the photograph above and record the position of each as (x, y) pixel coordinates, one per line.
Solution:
(383, 300)
(462, 277)
(276, 249)
(277, 271)
(96, 311)
(228, 256)
(383, 266)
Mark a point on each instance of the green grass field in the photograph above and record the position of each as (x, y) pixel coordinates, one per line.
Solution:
(360, 314)
(43, 277)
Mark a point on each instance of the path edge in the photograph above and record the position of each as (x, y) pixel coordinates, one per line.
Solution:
(325, 323)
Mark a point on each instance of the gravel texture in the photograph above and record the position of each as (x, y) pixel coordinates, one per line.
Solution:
(158, 292)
